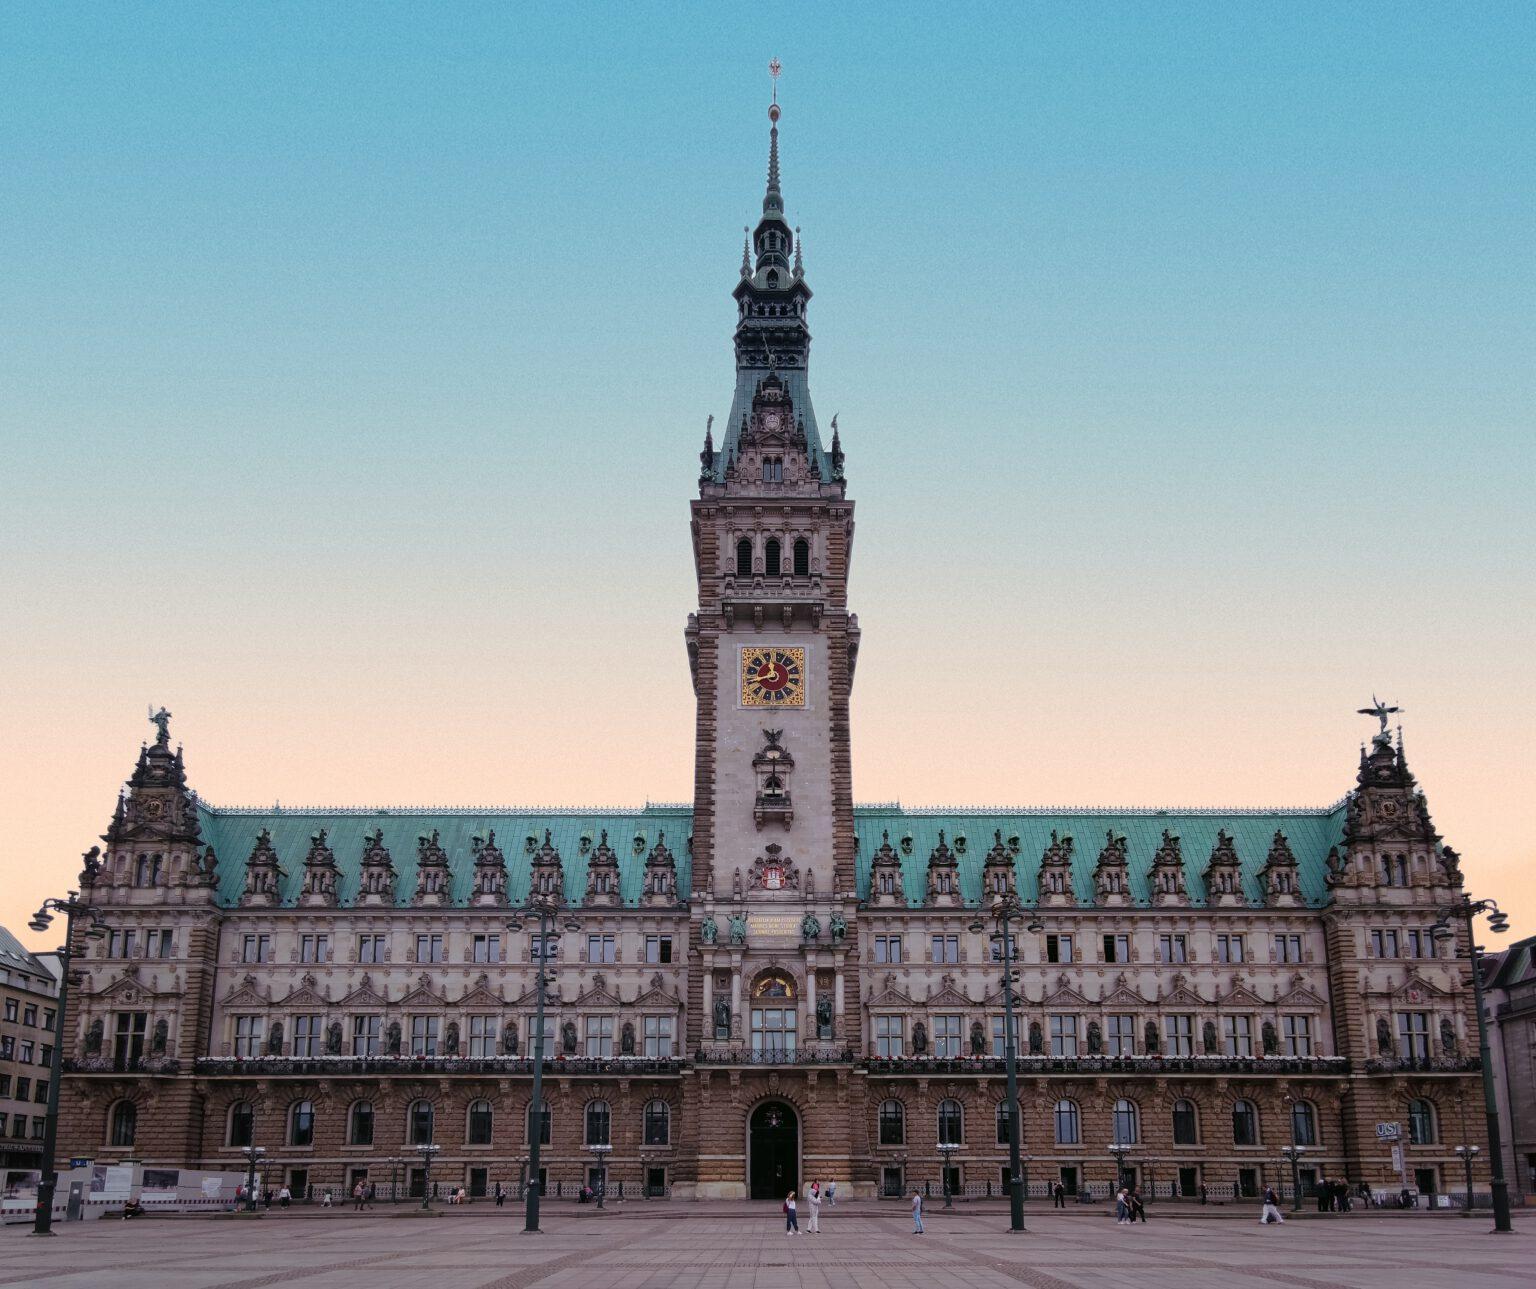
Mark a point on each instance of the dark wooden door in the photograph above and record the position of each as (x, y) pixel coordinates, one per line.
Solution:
(774, 1150)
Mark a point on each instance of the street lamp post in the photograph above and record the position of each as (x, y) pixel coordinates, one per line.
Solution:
(72, 907)
(1294, 1153)
(394, 1179)
(602, 1152)
(946, 1153)
(1467, 909)
(254, 1154)
(546, 908)
(428, 1151)
(1006, 908)
(1118, 1151)
(1467, 1154)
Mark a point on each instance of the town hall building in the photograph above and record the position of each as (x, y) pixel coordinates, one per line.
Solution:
(771, 983)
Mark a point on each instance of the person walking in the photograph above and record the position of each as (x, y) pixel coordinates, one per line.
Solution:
(1059, 1194)
(813, 1198)
(832, 1194)
(1271, 1210)
(358, 1192)
(283, 1196)
(370, 1193)
(1203, 1192)
(917, 1211)
(501, 1195)
(1324, 1192)
(1122, 1207)
(1138, 1206)
(791, 1217)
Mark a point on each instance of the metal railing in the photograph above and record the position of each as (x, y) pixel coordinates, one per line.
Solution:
(741, 1054)
(405, 1065)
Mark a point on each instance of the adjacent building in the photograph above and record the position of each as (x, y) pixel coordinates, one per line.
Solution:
(1509, 996)
(770, 983)
(28, 997)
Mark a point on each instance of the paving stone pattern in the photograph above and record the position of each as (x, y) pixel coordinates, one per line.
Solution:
(748, 1249)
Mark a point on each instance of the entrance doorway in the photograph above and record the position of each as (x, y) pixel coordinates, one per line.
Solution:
(773, 1151)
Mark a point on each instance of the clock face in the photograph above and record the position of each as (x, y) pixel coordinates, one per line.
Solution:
(772, 677)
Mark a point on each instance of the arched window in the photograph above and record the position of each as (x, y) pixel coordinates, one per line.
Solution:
(802, 558)
(744, 557)
(1185, 1125)
(123, 1123)
(598, 1123)
(951, 1123)
(1421, 1123)
(1303, 1123)
(771, 557)
(242, 1124)
(658, 1123)
(419, 1123)
(1069, 1130)
(1245, 1124)
(360, 1124)
(479, 1123)
(543, 1127)
(893, 1123)
(1003, 1118)
(301, 1124)
(1127, 1123)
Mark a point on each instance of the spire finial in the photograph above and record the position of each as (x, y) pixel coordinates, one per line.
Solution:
(746, 252)
(799, 262)
(773, 201)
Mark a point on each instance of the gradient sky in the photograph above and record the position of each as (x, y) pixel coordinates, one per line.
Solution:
(356, 359)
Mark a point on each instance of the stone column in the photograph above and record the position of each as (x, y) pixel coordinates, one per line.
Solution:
(736, 1019)
(838, 1023)
(707, 966)
(810, 995)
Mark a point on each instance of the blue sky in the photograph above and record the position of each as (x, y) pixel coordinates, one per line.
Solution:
(1182, 352)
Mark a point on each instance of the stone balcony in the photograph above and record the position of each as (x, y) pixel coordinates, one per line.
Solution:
(405, 1066)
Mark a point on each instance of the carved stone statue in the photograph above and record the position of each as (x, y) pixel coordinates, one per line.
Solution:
(737, 928)
(978, 1039)
(1095, 1038)
(627, 1040)
(1270, 1037)
(810, 926)
(709, 930)
(722, 1017)
(161, 1034)
(451, 1038)
(1150, 1038)
(824, 1015)
(333, 1039)
(919, 1039)
(509, 1038)
(838, 927)
(392, 1038)
(161, 720)
(1036, 1038)
(93, 1038)
(1447, 1038)
(1383, 1036)
(568, 1037)
(275, 1039)
(1208, 1037)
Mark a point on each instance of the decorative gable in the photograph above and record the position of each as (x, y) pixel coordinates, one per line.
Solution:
(1280, 878)
(658, 997)
(885, 885)
(943, 876)
(599, 995)
(997, 872)
(1122, 995)
(376, 873)
(890, 994)
(1064, 995)
(547, 876)
(947, 995)
(1111, 874)
(479, 995)
(263, 875)
(490, 889)
(365, 995)
(433, 878)
(1167, 875)
(773, 767)
(246, 994)
(603, 875)
(1056, 889)
(1180, 994)
(306, 995)
(660, 875)
(321, 876)
(423, 995)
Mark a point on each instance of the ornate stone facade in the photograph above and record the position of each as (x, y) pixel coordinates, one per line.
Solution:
(770, 984)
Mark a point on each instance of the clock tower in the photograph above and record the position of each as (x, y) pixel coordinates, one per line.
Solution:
(772, 649)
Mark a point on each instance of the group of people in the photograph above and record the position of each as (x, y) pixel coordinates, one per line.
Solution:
(813, 1200)
(362, 1195)
(1334, 1196)
(1129, 1205)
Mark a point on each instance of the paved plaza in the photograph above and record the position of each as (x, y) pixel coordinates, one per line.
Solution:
(869, 1247)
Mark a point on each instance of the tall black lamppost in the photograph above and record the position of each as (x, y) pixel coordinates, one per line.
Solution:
(254, 1154)
(428, 1151)
(394, 1176)
(72, 907)
(1467, 909)
(1467, 1154)
(1294, 1154)
(1006, 908)
(545, 907)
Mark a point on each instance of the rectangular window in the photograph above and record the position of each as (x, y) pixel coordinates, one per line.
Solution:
(1239, 1035)
(1298, 1035)
(887, 948)
(48, 1015)
(429, 948)
(1179, 1033)
(1421, 944)
(1058, 948)
(1287, 948)
(544, 949)
(946, 1037)
(256, 948)
(658, 948)
(1383, 944)
(5, 1086)
(485, 948)
(314, 948)
(890, 1036)
(599, 1037)
(365, 1035)
(1122, 1036)
(159, 944)
(601, 948)
(120, 944)
(658, 1037)
(945, 948)
(28, 1051)
(5, 1119)
(997, 948)
(1117, 948)
(45, 1055)
(38, 1123)
(128, 1038)
(307, 1036)
(482, 1037)
(13, 1006)
(1229, 948)
(7, 1048)
(1000, 1035)
(370, 948)
(29, 1015)
(248, 1031)
(1172, 948)
(424, 1035)
(1413, 1036)
(23, 1088)
(1063, 1035)
(536, 1039)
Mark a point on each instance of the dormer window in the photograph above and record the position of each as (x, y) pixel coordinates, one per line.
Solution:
(744, 557)
(773, 472)
(773, 279)
(771, 553)
(802, 558)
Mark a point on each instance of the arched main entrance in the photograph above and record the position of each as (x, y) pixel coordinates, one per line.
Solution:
(773, 1151)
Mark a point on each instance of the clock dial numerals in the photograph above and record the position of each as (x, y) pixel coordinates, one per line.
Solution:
(772, 677)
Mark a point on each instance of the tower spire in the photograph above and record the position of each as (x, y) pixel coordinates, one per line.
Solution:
(773, 199)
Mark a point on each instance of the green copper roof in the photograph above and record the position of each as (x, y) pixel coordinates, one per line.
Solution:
(915, 834)
(797, 385)
(631, 834)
